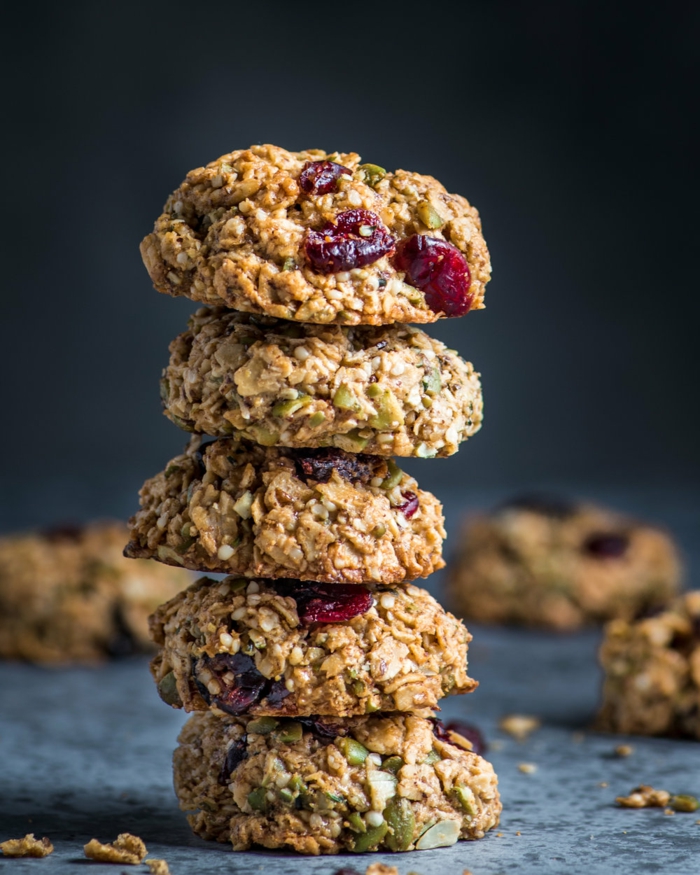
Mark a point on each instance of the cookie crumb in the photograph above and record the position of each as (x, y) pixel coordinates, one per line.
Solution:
(669, 812)
(577, 737)
(527, 768)
(624, 750)
(158, 867)
(519, 725)
(381, 869)
(644, 796)
(27, 847)
(126, 849)
(603, 784)
(518, 833)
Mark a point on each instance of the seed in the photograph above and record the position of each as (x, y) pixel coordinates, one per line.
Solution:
(296, 656)
(225, 552)
(374, 818)
(226, 640)
(387, 601)
(301, 353)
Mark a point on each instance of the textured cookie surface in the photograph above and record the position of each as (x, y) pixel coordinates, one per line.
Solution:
(238, 233)
(546, 562)
(652, 672)
(296, 648)
(390, 390)
(359, 784)
(241, 508)
(68, 595)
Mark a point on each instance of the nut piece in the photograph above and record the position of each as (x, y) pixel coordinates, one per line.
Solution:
(527, 768)
(27, 847)
(519, 725)
(624, 750)
(158, 867)
(126, 849)
(644, 796)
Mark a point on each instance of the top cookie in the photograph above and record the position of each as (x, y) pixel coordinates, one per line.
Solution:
(318, 237)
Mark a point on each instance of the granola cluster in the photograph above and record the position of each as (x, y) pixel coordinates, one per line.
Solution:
(234, 234)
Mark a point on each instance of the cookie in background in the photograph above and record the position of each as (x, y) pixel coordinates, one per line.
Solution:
(652, 672)
(544, 561)
(68, 595)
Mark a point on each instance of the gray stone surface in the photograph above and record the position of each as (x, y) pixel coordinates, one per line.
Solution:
(86, 752)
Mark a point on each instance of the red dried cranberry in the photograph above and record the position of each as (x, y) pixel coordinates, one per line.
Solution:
(278, 693)
(357, 238)
(247, 688)
(439, 270)
(320, 730)
(319, 464)
(331, 602)
(321, 177)
(234, 757)
(606, 545)
(410, 505)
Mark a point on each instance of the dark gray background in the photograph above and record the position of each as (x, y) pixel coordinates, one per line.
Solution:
(567, 124)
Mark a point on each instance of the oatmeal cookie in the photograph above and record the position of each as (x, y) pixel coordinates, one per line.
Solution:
(317, 237)
(389, 391)
(543, 561)
(652, 672)
(237, 507)
(393, 783)
(68, 595)
(289, 647)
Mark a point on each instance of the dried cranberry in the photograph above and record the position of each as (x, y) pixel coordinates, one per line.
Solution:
(326, 602)
(543, 503)
(319, 465)
(234, 756)
(198, 456)
(439, 270)
(247, 688)
(606, 545)
(321, 177)
(466, 730)
(410, 505)
(63, 532)
(357, 238)
(278, 693)
(320, 730)
(471, 733)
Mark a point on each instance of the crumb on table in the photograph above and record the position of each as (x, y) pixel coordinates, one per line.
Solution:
(126, 848)
(519, 725)
(27, 847)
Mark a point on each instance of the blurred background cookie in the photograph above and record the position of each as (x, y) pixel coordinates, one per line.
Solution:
(69, 595)
(652, 672)
(541, 560)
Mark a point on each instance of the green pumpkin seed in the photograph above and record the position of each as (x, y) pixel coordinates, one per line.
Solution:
(285, 409)
(432, 381)
(442, 835)
(392, 764)
(167, 690)
(371, 839)
(354, 752)
(290, 733)
(344, 399)
(394, 476)
(356, 823)
(257, 799)
(371, 174)
(316, 419)
(466, 799)
(263, 725)
(429, 216)
(684, 803)
(402, 824)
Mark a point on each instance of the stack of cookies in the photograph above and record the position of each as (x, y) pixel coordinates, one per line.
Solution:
(315, 665)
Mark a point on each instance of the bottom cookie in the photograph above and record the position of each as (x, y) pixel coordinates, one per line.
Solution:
(316, 786)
